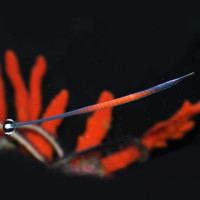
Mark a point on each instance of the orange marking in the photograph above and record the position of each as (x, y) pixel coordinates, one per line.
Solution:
(118, 101)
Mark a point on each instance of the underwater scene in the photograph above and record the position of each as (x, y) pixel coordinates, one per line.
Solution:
(102, 105)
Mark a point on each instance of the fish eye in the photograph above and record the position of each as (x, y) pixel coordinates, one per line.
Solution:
(9, 126)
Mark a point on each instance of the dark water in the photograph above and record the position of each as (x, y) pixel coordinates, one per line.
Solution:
(122, 50)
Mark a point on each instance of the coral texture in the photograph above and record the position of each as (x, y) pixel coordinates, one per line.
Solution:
(28, 105)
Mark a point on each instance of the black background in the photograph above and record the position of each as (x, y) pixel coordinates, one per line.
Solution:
(124, 49)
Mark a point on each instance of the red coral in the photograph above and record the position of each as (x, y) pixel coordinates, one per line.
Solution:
(172, 129)
(28, 104)
(21, 93)
(121, 159)
(3, 110)
(97, 125)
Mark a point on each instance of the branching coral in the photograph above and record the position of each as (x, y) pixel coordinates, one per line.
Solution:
(40, 140)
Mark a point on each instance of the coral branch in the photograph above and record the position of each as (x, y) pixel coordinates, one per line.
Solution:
(120, 159)
(172, 129)
(56, 106)
(21, 93)
(97, 125)
(41, 144)
(37, 74)
(3, 107)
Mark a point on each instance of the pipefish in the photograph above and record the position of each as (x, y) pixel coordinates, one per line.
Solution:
(10, 125)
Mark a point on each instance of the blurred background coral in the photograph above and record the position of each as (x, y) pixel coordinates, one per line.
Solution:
(123, 50)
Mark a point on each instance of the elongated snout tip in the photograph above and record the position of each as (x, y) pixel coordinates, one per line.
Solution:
(183, 77)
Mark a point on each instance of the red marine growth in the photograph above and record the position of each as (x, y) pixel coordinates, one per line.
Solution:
(40, 140)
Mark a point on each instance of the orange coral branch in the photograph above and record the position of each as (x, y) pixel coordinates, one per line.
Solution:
(3, 110)
(172, 129)
(57, 106)
(120, 160)
(41, 144)
(37, 74)
(97, 125)
(21, 93)
(29, 108)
